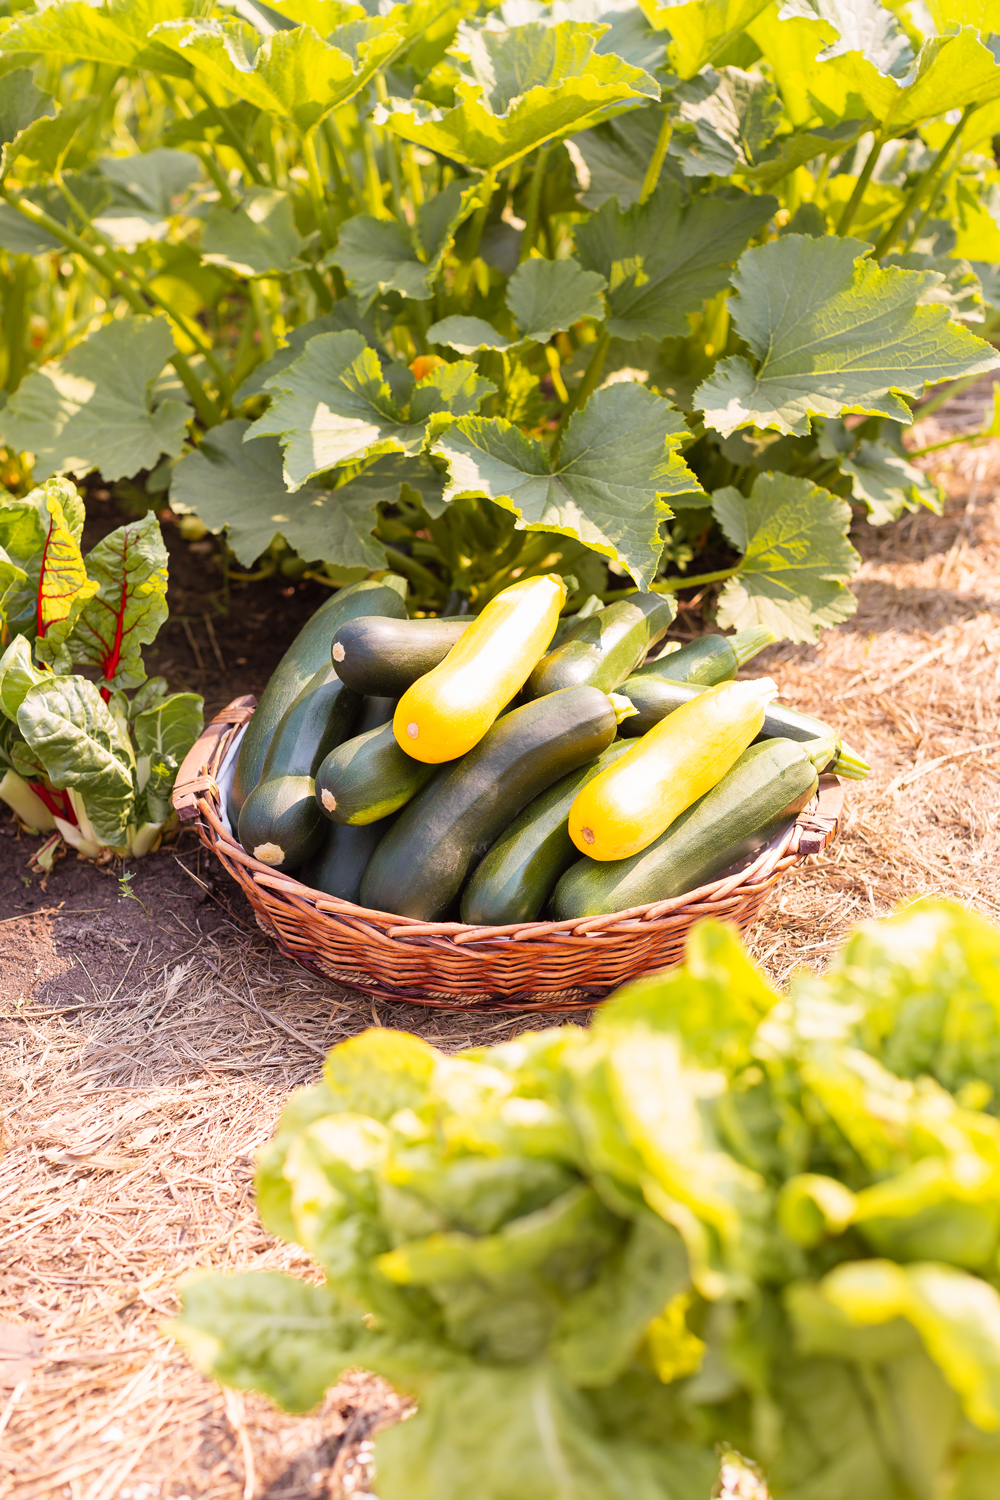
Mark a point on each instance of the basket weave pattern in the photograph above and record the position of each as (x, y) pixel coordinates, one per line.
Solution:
(536, 966)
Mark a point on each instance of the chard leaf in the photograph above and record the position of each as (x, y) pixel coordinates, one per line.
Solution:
(382, 255)
(81, 745)
(796, 557)
(257, 238)
(725, 121)
(335, 405)
(41, 535)
(21, 104)
(663, 258)
(296, 75)
(229, 485)
(163, 734)
(700, 29)
(887, 484)
(18, 673)
(115, 32)
(615, 470)
(130, 605)
(611, 158)
(548, 296)
(832, 333)
(517, 89)
(11, 577)
(95, 409)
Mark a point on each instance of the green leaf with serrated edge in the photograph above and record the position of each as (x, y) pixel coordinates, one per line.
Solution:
(466, 335)
(887, 484)
(700, 29)
(959, 289)
(866, 27)
(20, 237)
(344, 317)
(79, 742)
(549, 296)
(153, 179)
(951, 72)
(130, 567)
(116, 32)
(787, 152)
(94, 409)
(257, 238)
(663, 258)
(517, 89)
(616, 468)
(21, 104)
(18, 673)
(334, 406)
(164, 733)
(382, 255)
(295, 75)
(11, 577)
(725, 120)
(242, 489)
(796, 557)
(322, 15)
(611, 159)
(629, 35)
(832, 333)
(42, 148)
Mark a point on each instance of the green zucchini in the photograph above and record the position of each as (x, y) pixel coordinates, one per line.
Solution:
(309, 651)
(590, 606)
(342, 858)
(420, 866)
(655, 698)
(709, 659)
(368, 777)
(768, 785)
(604, 649)
(280, 823)
(384, 657)
(374, 713)
(515, 879)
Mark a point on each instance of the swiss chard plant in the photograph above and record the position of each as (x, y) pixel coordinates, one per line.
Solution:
(472, 291)
(81, 753)
(721, 1217)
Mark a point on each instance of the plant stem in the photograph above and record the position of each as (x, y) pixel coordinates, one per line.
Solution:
(674, 585)
(944, 395)
(202, 401)
(341, 155)
(963, 437)
(415, 572)
(16, 321)
(316, 192)
(657, 159)
(854, 201)
(231, 134)
(389, 145)
(262, 318)
(913, 197)
(471, 249)
(373, 180)
(583, 392)
(530, 232)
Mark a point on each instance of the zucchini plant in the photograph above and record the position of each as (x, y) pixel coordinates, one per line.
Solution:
(474, 292)
(91, 755)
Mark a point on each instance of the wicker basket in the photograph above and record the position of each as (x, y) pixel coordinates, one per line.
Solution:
(537, 966)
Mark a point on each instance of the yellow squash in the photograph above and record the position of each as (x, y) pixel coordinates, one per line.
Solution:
(448, 710)
(631, 803)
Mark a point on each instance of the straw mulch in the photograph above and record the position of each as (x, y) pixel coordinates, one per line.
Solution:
(132, 1110)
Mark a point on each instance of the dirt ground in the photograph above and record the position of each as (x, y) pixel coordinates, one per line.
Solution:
(148, 1044)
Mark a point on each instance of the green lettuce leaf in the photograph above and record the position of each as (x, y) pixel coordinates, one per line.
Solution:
(517, 89)
(796, 557)
(383, 255)
(663, 258)
(82, 746)
(700, 29)
(257, 238)
(832, 333)
(129, 606)
(115, 32)
(95, 409)
(335, 405)
(615, 469)
(726, 120)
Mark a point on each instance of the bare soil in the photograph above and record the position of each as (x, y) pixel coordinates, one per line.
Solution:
(148, 1044)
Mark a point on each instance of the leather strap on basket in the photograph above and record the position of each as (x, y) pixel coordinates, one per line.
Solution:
(193, 776)
(818, 826)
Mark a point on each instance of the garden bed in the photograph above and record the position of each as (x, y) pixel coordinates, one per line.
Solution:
(151, 1059)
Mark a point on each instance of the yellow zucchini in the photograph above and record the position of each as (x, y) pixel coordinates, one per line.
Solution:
(631, 803)
(448, 710)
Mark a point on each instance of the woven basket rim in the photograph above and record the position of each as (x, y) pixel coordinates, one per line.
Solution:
(197, 797)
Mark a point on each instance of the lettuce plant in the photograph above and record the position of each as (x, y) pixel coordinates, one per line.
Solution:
(472, 291)
(720, 1217)
(78, 752)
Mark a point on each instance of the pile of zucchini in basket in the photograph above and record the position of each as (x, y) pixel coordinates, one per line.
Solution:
(511, 765)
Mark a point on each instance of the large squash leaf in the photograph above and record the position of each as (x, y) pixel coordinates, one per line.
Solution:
(832, 333)
(384, 255)
(116, 32)
(257, 238)
(543, 297)
(517, 89)
(21, 104)
(95, 409)
(726, 120)
(617, 467)
(700, 29)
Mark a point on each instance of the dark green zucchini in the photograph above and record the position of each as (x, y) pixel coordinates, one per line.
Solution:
(368, 777)
(604, 649)
(374, 713)
(309, 651)
(590, 606)
(384, 657)
(709, 658)
(420, 866)
(655, 698)
(515, 879)
(767, 786)
(280, 823)
(342, 858)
